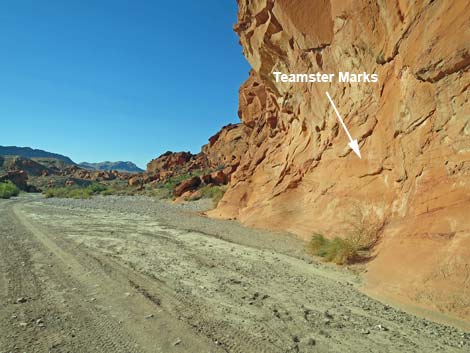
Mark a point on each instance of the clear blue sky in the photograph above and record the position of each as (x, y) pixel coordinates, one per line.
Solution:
(117, 79)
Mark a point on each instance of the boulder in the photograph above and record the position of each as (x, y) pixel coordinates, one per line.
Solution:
(219, 178)
(135, 181)
(206, 179)
(148, 178)
(187, 185)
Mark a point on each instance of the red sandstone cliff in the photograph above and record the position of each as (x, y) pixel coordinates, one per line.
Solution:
(296, 171)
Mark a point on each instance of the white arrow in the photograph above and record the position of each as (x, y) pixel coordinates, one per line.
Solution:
(352, 143)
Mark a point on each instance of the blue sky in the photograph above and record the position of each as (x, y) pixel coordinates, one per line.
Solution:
(117, 79)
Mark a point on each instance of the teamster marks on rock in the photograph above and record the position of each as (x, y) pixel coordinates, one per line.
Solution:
(323, 78)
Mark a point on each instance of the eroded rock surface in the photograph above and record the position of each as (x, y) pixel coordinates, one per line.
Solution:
(298, 173)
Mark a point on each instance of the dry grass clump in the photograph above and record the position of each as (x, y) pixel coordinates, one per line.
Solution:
(362, 231)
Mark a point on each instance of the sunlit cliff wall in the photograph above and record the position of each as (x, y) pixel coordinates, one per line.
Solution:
(413, 126)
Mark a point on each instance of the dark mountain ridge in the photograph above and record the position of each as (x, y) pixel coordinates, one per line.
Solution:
(28, 152)
(120, 166)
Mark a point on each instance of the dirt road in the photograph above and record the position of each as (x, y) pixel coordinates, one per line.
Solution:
(136, 275)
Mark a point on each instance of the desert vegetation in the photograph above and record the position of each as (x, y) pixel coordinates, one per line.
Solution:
(214, 192)
(166, 188)
(77, 192)
(362, 232)
(8, 189)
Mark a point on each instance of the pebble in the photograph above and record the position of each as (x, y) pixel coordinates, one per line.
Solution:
(177, 342)
(149, 316)
(21, 300)
(311, 341)
(382, 328)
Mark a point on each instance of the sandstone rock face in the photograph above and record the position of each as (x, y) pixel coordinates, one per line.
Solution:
(175, 161)
(297, 172)
(135, 181)
(216, 162)
(227, 147)
(187, 185)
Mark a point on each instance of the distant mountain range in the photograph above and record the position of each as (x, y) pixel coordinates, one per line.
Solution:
(46, 158)
(28, 152)
(119, 166)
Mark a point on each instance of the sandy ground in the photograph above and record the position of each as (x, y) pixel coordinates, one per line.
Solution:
(127, 274)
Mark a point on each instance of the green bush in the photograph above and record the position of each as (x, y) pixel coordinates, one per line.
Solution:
(77, 192)
(8, 189)
(317, 243)
(68, 193)
(96, 188)
(337, 250)
(213, 192)
(110, 191)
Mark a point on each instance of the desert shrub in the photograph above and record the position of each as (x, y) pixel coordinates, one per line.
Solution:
(112, 191)
(336, 250)
(214, 192)
(217, 195)
(339, 251)
(362, 234)
(158, 193)
(317, 243)
(96, 188)
(8, 189)
(364, 228)
(76, 192)
(68, 193)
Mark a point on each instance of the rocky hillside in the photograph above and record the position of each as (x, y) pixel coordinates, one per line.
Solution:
(119, 166)
(295, 170)
(28, 152)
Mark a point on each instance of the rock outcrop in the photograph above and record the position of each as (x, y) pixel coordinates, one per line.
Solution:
(31, 167)
(190, 184)
(176, 162)
(226, 148)
(295, 170)
(17, 177)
